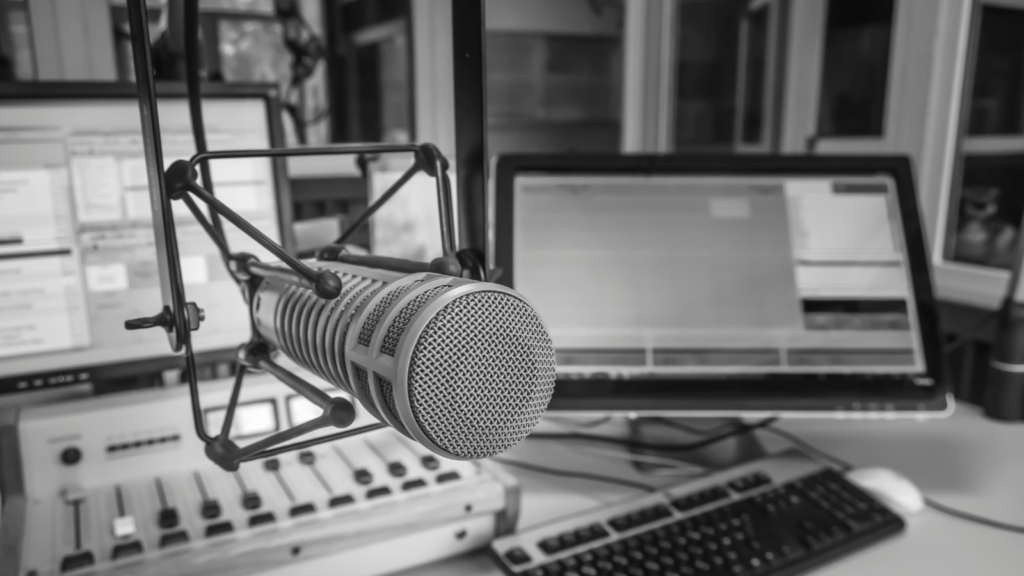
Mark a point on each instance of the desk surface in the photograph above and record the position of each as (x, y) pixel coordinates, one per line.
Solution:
(965, 461)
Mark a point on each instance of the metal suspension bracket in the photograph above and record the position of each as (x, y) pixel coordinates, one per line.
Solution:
(179, 317)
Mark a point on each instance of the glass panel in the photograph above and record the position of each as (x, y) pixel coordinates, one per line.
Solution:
(990, 208)
(998, 93)
(553, 93)
(755, 76)
(708, 59)
(855, 70)
(395, 91)
(252, 50)
(22, 57)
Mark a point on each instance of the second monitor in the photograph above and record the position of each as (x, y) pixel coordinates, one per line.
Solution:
(724, 284)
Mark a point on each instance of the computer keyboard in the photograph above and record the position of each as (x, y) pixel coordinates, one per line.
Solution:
(778, 515)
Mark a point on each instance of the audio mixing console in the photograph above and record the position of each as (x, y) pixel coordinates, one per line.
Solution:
(119, 484)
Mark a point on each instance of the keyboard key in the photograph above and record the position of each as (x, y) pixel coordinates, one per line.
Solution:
(172, 538)
(550, 545)
(517, 556)
(76, 561)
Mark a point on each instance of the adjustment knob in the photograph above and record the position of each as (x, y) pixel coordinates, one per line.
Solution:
(71, 456)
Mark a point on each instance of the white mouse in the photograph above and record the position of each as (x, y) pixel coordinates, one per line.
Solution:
(891, 487)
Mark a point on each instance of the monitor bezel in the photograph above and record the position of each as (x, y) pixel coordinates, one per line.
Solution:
(780, 393)
(105, 375)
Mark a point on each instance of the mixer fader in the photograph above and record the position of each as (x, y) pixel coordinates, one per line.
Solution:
(120, 485)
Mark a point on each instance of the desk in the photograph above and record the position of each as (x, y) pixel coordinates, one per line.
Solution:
(965, 461)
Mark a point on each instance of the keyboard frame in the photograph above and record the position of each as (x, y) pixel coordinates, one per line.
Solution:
(782, 468)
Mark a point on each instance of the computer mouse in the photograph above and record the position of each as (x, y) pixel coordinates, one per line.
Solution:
(891, 487)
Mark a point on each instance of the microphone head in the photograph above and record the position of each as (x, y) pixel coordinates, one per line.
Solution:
(465, 368)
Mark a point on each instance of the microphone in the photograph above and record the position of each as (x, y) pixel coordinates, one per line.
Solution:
(465, 368)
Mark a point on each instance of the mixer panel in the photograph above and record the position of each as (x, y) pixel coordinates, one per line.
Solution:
(121, 484)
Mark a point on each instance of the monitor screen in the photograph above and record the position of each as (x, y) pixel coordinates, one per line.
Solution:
(667, 275)
(728, 285)
(77, 253)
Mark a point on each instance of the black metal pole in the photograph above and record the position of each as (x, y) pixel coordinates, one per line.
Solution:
(468, 53)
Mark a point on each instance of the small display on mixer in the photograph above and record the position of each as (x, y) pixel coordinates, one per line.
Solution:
(251, 418)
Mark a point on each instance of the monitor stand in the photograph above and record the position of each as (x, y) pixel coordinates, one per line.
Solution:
(721, 454)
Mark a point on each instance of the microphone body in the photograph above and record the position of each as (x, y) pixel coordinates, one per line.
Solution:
(465, 368)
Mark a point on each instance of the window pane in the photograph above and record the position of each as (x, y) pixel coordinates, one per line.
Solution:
(708, 59)
(855, 70)
(998, 93)
(755, 77)
(990, 208)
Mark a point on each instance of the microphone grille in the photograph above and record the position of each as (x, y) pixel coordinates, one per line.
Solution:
(481, 374)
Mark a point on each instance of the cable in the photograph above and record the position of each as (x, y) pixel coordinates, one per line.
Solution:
(739, 429)
(973, 518)
(570, 424)
(571, 474)
(695, 430)
(937, 506)
(807, 446)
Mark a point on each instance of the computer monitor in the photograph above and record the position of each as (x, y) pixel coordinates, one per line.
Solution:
(77, 252)
(724, 285)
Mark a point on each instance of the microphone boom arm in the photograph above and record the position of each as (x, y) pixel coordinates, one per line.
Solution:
(179, 317)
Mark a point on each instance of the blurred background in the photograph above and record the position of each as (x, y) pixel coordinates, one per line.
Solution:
(939, 80)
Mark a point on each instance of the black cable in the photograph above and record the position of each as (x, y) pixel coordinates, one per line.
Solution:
(588, 424)
(807, 446)
(694, 429)
(195, 108)
(572, 474)
(708, 441)
(973, 518)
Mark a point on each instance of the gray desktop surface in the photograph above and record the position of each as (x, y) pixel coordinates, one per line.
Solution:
(965, 461)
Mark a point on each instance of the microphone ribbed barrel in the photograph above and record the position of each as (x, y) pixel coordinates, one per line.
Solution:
(465, 368)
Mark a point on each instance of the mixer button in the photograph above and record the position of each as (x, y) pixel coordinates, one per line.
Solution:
(251, 501)
(272, 464)
(258, 519)
(172, 538)
(447, 477)
(430, 463)
(76, 561)
(363, 476)
(300, 509)
(413, 484)
(307, 457)
(341, 500)
(219, 528)
(167, 518)
(378, 492)
(71, 455)
(210, 509)
(124, 526)
(126, 549)
(397, 469)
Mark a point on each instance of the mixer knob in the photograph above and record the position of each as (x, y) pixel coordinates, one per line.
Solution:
(210, 509)
(430, 462)
(167, 518)
(272, 464)
(307, 457)
(397, 469)
(363, 476)
(251, 501)
(71, 455)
